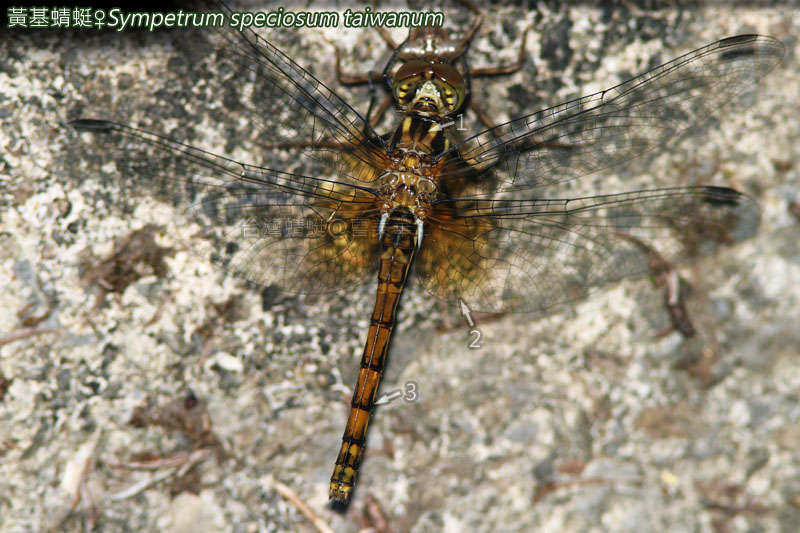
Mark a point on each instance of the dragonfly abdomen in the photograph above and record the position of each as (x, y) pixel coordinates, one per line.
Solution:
(399, 242)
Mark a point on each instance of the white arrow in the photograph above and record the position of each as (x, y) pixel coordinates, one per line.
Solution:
(466, 312)
(387, 397)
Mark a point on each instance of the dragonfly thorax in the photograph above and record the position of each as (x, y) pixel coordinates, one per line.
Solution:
(407, 191)
(407, 180)
(419, 139)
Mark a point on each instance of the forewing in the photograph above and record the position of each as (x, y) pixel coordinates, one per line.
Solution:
(286, 103)
(614, 126)
(275, 219)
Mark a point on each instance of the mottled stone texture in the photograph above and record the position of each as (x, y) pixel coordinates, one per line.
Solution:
(583, 421)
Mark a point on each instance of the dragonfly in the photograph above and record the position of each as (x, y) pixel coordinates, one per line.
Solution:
(509, 219)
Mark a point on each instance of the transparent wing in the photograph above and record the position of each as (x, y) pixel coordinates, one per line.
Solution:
(305, 234)
(614, 126)
(532, 255)
(287, 103)
(276, 222)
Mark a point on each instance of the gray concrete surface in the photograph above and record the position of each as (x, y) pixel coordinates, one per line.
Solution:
(585, 420)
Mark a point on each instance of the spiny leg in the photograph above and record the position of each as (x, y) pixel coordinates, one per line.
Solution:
(504, 69)
(353, 79)
(385, 104)
(348, 80)
(497, 71)
(464, 42)
(370, 78)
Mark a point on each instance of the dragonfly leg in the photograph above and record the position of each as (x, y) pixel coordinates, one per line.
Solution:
(495, 71)
(464, 42)
(381, 111)
(353, 79)
(387, 38)
(504, 69)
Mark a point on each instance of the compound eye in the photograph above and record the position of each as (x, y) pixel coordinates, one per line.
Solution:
(450, 83)
(412, 74)
(407, 78)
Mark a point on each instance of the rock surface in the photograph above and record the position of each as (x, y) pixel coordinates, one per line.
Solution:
(585, 420)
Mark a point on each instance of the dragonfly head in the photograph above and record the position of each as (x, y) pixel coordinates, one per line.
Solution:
(431, 88)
